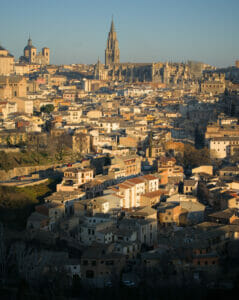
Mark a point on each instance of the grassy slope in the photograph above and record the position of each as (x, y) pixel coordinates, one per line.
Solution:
(16, 204)
(29, 158)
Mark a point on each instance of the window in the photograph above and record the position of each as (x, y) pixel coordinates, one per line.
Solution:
(85, 262)
(89, 274)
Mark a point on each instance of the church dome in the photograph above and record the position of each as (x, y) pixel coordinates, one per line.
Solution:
(29, 45)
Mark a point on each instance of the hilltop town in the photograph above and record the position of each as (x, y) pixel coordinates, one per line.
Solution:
(133, 168)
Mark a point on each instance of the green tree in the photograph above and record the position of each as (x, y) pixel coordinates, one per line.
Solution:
(195, 157)
(199, 138)
(5, 164)
(47, 108)
(60, 151)
(8, 140)
(203, 193)
(235, 157)
(48, 125)
(21, 143)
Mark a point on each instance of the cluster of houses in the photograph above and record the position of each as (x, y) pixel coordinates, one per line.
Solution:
(138, 219)
(127, 204)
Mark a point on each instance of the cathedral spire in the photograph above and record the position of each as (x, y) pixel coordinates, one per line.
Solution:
(112, 27)
(98, 62)
(112, 48)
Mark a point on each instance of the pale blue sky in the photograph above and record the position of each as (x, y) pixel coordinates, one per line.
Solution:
(152, 30)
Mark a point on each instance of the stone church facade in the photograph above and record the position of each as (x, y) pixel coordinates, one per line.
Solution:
(30, 55)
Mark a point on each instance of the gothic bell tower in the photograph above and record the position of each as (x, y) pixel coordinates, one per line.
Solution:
(112, 49)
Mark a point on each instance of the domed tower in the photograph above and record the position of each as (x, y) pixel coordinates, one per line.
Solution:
(30, 52)
(112, 49)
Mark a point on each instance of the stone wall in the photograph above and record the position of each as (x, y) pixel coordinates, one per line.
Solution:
(22, 184)
(21, 171)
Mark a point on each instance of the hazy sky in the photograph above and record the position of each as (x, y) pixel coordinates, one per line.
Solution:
(152, 30)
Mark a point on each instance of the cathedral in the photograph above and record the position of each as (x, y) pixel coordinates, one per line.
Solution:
(131, 72)
(31, 56)
(160, 73)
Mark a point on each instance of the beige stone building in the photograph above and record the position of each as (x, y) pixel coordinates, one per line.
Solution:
(6, 62)
(24, 105)
(152, 198)
(99, 264)
(129, 165)
(215, 130)
(213, 83)
(21, 68)
(94, 114)
(75, 177)
(169, 213)
(222, 147)
(81, 143)
(13, 86)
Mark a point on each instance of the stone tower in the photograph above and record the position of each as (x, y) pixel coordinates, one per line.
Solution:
(46, 55)
(99, 71)
(112, 49)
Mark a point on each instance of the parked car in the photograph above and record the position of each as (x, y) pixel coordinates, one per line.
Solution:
(128, 283)
(108, 284)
